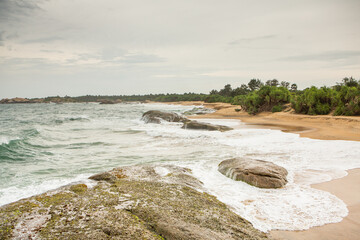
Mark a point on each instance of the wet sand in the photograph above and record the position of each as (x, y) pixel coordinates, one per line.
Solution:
(348, 190)
(317, 127)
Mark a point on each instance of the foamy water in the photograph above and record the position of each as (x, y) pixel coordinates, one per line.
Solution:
(50, 146)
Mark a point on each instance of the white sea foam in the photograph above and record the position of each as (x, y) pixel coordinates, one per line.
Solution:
(7, 140)
(12, 194)
(308, 161)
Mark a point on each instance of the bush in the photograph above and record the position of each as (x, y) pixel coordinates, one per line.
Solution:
(264, 99)
(277, 108)
(314, 101)
(217, 98)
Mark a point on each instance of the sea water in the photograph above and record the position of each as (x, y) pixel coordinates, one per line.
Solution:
(45, 146)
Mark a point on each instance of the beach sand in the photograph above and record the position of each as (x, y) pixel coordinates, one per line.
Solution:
(324, 127)
(348, 190)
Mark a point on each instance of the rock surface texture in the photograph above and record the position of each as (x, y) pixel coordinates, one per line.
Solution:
(154, 116)
(137, 202)
(258, 173)
(199, 111)
(205, 126)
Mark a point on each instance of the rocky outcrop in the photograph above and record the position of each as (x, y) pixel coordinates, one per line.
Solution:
(199, 111)
(139, 202)
(258, 173)
(154, 116)
(15, 100)
(205, 126)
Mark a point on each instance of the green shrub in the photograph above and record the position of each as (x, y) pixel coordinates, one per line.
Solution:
(277, 108)
(264, 99)
(314, 101)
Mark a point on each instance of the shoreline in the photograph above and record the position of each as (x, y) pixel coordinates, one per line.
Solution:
(316, 127)
(322, 127)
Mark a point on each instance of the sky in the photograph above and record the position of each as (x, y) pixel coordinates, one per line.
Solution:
(113, 47)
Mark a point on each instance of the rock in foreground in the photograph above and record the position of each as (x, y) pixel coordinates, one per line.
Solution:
(205, 126)
(138, 202)
(154, 116)
(258, 173)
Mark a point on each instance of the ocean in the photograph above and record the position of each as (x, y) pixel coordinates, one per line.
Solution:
(45, 146)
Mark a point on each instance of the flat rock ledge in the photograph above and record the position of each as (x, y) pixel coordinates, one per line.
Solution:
(205, 126)
(154, 116)
(136, 202)
(258, 173)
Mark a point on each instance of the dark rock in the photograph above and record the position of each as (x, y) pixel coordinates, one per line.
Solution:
(154, 116)
(258, 173)
(205, 126)
(105, 176)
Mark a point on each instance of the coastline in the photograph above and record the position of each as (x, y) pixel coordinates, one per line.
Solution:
(323, 127)
(315, 127)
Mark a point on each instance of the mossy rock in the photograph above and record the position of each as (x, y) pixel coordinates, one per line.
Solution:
(135, 207)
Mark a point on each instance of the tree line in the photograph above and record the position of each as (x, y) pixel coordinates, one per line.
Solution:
(256, 96)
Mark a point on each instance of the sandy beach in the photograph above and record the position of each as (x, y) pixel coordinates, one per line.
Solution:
(317, 127)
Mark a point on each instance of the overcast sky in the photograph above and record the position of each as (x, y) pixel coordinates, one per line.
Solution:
(78, 47)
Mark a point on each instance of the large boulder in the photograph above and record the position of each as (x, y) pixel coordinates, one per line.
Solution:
(258, 173)
(140, 202)
(154, 116)
(205, 126)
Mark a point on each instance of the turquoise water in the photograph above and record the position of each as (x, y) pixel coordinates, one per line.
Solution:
(45, 146)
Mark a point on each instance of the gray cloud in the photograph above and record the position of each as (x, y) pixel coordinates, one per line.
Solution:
(110, 53)
(142, 58)
(42, 40)
(252, 39)
(10, 9)
(2, 38)
(51, 51)
(324, 56)
(119, 56)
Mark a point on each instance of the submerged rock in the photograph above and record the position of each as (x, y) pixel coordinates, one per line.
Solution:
(205, 126)
(143, 202)
(154, 116)
(258, 173)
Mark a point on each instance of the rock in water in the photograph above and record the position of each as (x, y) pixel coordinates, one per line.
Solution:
(199, 111)
(205, 126)
(258, 173)
(154, 116)
(140, 202)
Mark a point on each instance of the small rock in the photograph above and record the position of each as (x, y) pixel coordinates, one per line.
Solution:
(105, 176)
(205, 126)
